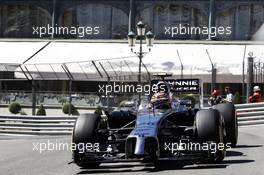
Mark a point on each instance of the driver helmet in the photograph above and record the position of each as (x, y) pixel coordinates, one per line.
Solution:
(256, 88)
(159, 96)
(161, 100)
(216, 92)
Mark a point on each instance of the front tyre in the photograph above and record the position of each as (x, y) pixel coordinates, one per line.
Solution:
(84, 132)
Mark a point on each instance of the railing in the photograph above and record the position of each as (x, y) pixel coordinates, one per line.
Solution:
(248, 114)
(36, 125)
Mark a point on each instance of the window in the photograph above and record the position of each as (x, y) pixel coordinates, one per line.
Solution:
(245, 21)
(112, 21)
(19, 20)
(163, 15)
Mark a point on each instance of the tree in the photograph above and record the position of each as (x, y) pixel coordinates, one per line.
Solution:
(237, 98)
(14, 108)
(98, 110)
(41, 110)
(69, 108)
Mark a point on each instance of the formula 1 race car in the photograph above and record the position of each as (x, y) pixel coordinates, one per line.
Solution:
(163, 129)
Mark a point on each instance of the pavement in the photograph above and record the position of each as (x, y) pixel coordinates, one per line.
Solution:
(21, 155)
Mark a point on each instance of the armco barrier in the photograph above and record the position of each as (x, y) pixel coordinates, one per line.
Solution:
(36, 125)
(248, 114)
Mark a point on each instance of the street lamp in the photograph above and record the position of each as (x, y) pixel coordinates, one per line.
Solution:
(141, 28)
(132, 37)
(149, 39)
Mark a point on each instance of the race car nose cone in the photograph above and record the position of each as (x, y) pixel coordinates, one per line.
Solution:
(140, 146)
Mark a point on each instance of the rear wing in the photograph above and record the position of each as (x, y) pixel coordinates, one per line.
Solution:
(184, 87)
(189, 86)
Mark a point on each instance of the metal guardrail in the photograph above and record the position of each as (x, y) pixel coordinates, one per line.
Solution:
(36, 125)
(248, 114)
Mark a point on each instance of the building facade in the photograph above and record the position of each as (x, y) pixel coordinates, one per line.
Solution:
(114, 18)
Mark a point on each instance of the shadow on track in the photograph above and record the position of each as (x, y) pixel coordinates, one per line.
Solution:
(228, 162)
(171, 165)
(163, 165)
(168, 165)
(249, 146)
(234, 153)
(174, 165)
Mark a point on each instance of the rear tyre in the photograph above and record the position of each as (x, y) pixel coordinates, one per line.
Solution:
(84, 132)
(229, 114)
(209, 128)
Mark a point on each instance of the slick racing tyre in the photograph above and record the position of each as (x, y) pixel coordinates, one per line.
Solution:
(84, 132)
(229, 114)
(210, 128)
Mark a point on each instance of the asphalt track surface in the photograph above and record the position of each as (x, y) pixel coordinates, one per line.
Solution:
(19, 157)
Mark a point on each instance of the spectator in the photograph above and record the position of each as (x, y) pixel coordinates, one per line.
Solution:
(229, 96)
(215, 98)
(256, 97)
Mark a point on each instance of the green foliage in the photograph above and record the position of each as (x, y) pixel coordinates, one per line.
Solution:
(237, 98)
(14, 108)
(191, 98)
(41, 110)
(75, 112)
(98, 110)
(69, 108)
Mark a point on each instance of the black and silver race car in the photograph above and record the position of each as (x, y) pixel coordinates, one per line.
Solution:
(159, 130)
